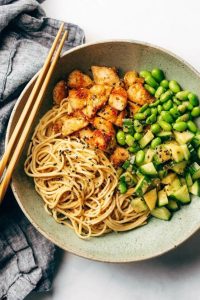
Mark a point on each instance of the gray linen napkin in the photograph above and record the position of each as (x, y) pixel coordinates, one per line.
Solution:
(26, 257)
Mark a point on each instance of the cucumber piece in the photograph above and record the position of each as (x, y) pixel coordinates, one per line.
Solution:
(179, 168)
(196, 175)
(165, 135)
(162, 154)
(148, 169)
(188, 179)
(182, 195)
(151, 199)
(139, 205)
(161, 213)
(146, 139)
(173, 187)
(183, 137)
(162, 174)
(129, 178)
(193, 168)
(195, 188)
(173, 205)
(141, 187)
(176, 152)
(149, 156)
(169, 178)
(185, 151)
(182, 181)
(162, 198)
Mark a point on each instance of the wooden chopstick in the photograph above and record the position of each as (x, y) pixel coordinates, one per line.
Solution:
(27, 126)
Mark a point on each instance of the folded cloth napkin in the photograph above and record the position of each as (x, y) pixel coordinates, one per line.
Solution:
(26, 257)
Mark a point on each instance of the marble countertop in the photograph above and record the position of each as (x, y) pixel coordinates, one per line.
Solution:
(174, 25)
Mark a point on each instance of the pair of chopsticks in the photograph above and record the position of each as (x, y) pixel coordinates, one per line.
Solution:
(23, 126)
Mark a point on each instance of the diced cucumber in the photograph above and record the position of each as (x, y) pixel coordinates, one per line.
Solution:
(162, 154)
(169, 178)
(174, 186)
(149, 156)
(182, 195)
(196, 140)
(195, 188)
(162, 173)
(182, 181)
(165, 135)
(151, 199)
(183, 137)
(188, 179)
(161, 213)
(141, 187)
(176, 152)
(185, 151)
(173, 205)
(179, 168)
(162, 198)
(139, 205)
(148, 169)
(129, 178)
(193, 168)
(146, 139)
(196, 175)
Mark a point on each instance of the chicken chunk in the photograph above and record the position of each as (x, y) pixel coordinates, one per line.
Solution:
(98, 97)
(118, 98)
(77, 79)
(120, 117)
(138, 94)
(105, 75)
(103, 125)
(100, 140)
(108, 113)
(78, 98)
(133, 108)
(119, 156)
(131, 77)
(59, 92)
(86, 134)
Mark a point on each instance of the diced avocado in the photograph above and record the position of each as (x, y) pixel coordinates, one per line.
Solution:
(195, 188)
(162, 154)
(176, 152)
(146, 139)
(173, 205)
(165, 135)
(161, 213)
(182, 195)
(148, 169)
(162, 198)
(151, 199)
(169, 178)
(183, 137)
(141, 187)
(139, 205)
(179, 168)
(188, 179)
(149, 156)
(185, 151)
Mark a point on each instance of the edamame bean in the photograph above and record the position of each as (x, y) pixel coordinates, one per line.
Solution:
(144, 73)
(190, 106)
(137, 136)
(183, 95)
(174, 86)
(127, 122)
(158, 74)
(167, 105)
(195, 112)
(151, 119)
(198, 152)
(174, 112)
(121, 138)
(166, 96)
(155, 128)
(129, 140)
(143, 108)
(139, 116)
(167, 117)
(160, 108)
(155, 142)
(176, 101)
(165, 83)
(154, 111)
(150, 89)
(192, 126)
(159, 118)
(193, 99)
(165, 126)
(147, 112)
(183, 118)
(151, 81)
(180, 126)
(139, 157)
(160, 90)
(138, 126)
(122, 187)
(134, 148)
(182, 108)
(154, 104)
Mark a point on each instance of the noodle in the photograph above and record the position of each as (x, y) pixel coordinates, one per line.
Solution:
(77, 184)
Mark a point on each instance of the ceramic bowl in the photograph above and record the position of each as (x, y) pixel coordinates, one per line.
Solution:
(145, 242)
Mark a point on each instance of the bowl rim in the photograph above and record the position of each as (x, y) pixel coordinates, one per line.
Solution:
(43, 232)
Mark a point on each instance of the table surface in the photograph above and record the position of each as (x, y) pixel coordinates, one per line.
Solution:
(174, 25)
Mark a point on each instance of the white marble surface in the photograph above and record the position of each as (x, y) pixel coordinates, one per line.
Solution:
(174, 25)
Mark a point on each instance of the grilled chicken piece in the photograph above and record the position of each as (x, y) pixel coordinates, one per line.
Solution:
(133, 108)
(119, 156)
(77, 79)
(118, 98)
(120, 117)
(105, 75)
(99, 96)
(103, 125)
(108, 113)
(131, 77)
(138, 94)
(78, 98)
(60, 91)
(85, 134)
(100, 140)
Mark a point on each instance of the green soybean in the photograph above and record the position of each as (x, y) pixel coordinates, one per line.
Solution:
(134, 149)
(122, 187)
(147, 112)
(138, 126)
(182, 108)
(160, 90)
(193, 99)
(180, 126)
(121, 138)
(165, 83)
(190, 107)
(183, 118)
(154, 104)
(154, 110)
(127, 122)
(167, 105)
(159, 118)
(144, 73)
(174, 86)
(167, 117)
(155, 142)
(198, 152)
(192, 126)
(137, 136)
(139, 158)
(158, 74)
(195, 112)
(159, 108)
(151, 81)
(155, 128)
(165, 126)
(183, 95)
(143, 108)
(139, 116)
(166, 96)
(174, 112)
(176, 101)
(151, 119)
(129, 140)
(150, 89)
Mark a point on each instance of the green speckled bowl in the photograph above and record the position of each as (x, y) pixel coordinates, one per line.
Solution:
(148, 241)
